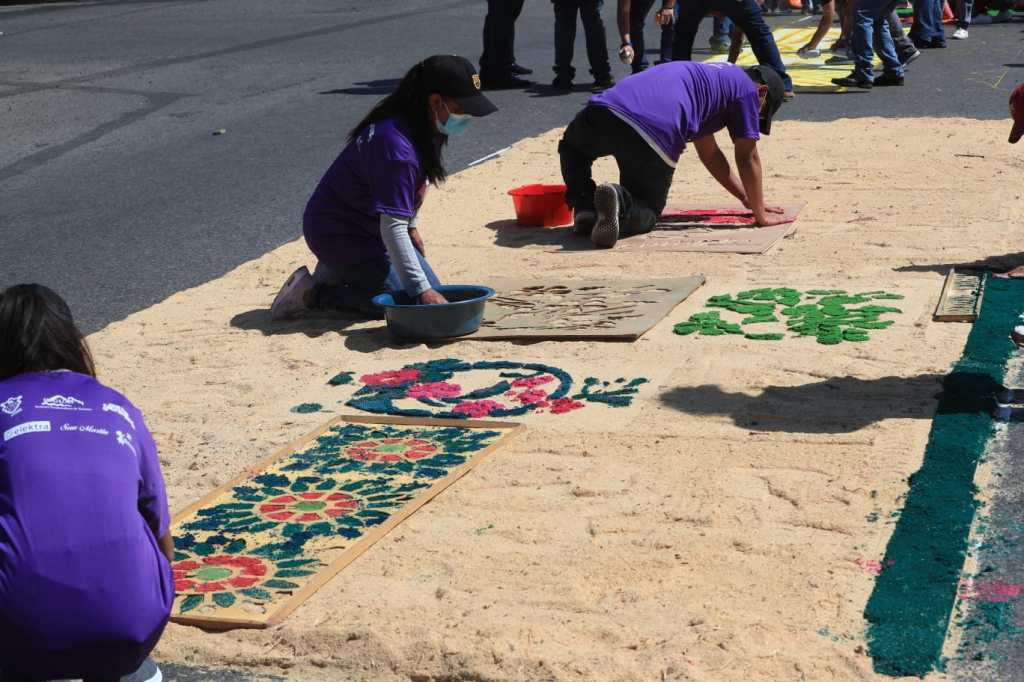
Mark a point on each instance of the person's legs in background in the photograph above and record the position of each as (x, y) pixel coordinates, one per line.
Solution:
(565, 39)
(905, 49)
(720, 35)
(498, 58)
(638, 12)
(891, 64)
(686, 26)
(964, 10)
(926, 32)
(747, 15)
(597, 42)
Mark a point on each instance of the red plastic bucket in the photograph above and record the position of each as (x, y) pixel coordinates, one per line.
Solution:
(541, 206)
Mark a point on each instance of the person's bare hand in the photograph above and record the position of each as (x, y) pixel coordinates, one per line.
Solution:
(417, 240)
(664, 17)
(431, 297)
(626, 54)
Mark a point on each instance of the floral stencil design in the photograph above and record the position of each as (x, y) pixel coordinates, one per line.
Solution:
(510, 389)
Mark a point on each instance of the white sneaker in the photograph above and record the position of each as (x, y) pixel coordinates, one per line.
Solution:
(290, 300)
(960, 34)
(808, 54)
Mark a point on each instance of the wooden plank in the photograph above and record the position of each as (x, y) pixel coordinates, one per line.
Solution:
(961, 297)
(621, 310)
(335, 555)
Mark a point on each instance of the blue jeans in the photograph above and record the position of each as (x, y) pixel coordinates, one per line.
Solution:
(722, 31)
(927, 21)
(593, 29)
(746, 14)
(870, 26)
(354, 287)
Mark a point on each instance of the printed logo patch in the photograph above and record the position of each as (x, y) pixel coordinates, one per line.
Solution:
(63, 402)
(11, 406)
(476, 81)
(27, 427)
(125, 439)
(85, 428)
(118, 410)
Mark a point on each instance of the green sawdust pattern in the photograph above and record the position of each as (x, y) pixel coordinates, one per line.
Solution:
(909, 609)
(830, 315)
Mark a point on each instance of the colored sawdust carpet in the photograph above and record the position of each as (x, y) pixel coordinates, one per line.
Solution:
(832, 316)
(453, 388)
(712, 230)
(813, 74)
(254, 549)
(910, 607)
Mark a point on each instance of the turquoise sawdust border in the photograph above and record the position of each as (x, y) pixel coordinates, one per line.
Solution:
(910, 607)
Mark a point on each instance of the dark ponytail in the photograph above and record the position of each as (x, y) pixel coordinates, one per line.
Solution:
(38, 334)
(411, 99)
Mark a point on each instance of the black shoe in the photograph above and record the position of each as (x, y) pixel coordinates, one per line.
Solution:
(606, 230)
(561, 83)
(583, 222)
(852, 81)
(517, 70)
(506, 83)
(910, 58)
(603, 83)
(888, 79)
(938, 43)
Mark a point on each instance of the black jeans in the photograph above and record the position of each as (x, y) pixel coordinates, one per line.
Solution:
(499, 39)
(593, 29)
(353, 289)
(637, 18)
(746, 14)
(644, 179)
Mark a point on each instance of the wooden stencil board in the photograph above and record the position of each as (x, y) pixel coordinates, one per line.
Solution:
(711, 230)
(254, 549)
(580, 309)
(960, 300)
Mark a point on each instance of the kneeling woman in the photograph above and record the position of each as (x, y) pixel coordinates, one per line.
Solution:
(360, 222)
(85, 580)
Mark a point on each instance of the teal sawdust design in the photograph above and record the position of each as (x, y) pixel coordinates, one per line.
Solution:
(831, 316)
(251, 547)
(500, 388)
(909, 609)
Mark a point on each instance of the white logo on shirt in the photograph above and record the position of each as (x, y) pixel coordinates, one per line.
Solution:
(27, 427)
(63, 402)
(125, 439)
(12, 405)
(117, 409)
(87, 428)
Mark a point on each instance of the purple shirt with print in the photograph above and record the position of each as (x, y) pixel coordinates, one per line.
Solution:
(378, 172)
(84, 588)
(678, 102)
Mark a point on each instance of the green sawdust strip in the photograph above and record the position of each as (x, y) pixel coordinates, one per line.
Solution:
(909, 610)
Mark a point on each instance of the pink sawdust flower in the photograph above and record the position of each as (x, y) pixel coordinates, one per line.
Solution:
(530, 382)
(532, 396)
(990, 590)
(437, 389)
(476, 408)
(395, 377)
(563, 405)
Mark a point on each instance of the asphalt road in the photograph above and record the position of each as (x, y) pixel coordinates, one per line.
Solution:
(114, 190)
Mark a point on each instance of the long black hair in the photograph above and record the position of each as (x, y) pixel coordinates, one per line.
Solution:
(38, 334)
(411, 99)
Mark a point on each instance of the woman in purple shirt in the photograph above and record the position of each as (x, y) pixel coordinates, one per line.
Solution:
(85, 580)
(360, 222)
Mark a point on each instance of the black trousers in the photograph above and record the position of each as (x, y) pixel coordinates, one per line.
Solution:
(499, 39)
(638, 12)
(644, 178)
(593, 29)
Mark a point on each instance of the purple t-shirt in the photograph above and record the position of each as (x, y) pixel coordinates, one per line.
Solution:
(379, 172)
(678, 102)
(84, 588)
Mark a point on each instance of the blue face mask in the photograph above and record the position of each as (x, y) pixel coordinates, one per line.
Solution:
(455, 125)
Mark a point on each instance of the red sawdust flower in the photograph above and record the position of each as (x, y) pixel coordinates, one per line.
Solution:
(391, 450)
(308, 507)
(395, 377)
(217, 573)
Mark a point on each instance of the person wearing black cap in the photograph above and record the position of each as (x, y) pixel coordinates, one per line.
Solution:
(360, 222)
(646, 121)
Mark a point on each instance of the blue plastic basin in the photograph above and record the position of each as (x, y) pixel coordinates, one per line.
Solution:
(460, 316)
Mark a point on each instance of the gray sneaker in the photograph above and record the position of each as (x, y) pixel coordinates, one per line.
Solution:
(290, 301)
(606, 229)
(147, 672)
(583, 223)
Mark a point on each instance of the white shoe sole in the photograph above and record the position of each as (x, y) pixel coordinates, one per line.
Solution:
(606, 230)
(283, 306)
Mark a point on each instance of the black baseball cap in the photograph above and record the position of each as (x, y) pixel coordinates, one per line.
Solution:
(455, 77)
(766, 75)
